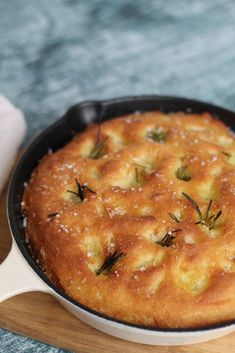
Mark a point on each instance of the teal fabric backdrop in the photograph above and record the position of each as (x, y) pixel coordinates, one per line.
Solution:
(58, 52)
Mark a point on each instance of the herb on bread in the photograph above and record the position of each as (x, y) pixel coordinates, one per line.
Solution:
(174, 217)
(168, 238)
(209, 219)
(109, 262)
(157, 135)
(98, 149)
(183, 173)
(80, 193)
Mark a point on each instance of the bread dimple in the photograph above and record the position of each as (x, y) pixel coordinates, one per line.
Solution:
(128, 243)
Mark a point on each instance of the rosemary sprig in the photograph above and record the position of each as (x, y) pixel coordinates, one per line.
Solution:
(137, 176)
(51, 215)
(140, 166)
(174, 217)
(99, 144)
(140, 171)
(109, 262)
(80, 190)
(168, 238)
(157, 135)
(226, 154)
(183, 173)
(208, 220)
(212, 219)
(195, 205)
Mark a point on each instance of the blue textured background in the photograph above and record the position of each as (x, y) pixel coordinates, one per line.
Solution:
(58, 52)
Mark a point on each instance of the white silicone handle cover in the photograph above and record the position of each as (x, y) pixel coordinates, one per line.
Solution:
(12, 132)
(16, 276)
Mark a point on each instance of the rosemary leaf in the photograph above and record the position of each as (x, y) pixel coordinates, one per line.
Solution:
(80, 190)
(226, 154)
(137, 176)
(208, 220)
(140, 166)
(195, 205)
(157, 135)
(99, 144)
(89, 189)
(174, 217)
(140, 172)
(98, 149)
(51, 215)
(168, 238)
(208, 210)
(183, 173)
(214, 219)
(109, 262)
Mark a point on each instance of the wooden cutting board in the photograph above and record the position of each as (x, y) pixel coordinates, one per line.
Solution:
(41, 317)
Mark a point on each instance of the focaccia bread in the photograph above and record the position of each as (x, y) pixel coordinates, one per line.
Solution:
(134, 218)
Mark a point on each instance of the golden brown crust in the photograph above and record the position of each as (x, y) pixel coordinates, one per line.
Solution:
(186, 279)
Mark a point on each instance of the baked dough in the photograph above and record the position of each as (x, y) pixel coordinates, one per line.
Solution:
(134, 218)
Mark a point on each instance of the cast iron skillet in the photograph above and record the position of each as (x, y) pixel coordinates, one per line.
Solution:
(58, 134)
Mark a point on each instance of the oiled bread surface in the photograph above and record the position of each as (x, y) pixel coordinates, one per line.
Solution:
(137, 179)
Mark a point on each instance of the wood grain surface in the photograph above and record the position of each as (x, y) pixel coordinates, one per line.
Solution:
(40, 316)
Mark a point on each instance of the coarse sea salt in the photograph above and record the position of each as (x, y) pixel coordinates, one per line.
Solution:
(64, 228)
(24, 222)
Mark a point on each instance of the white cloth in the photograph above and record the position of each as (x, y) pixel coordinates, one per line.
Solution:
(12, 132)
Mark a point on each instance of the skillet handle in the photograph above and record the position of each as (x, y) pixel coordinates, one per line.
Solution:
(16, 276)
